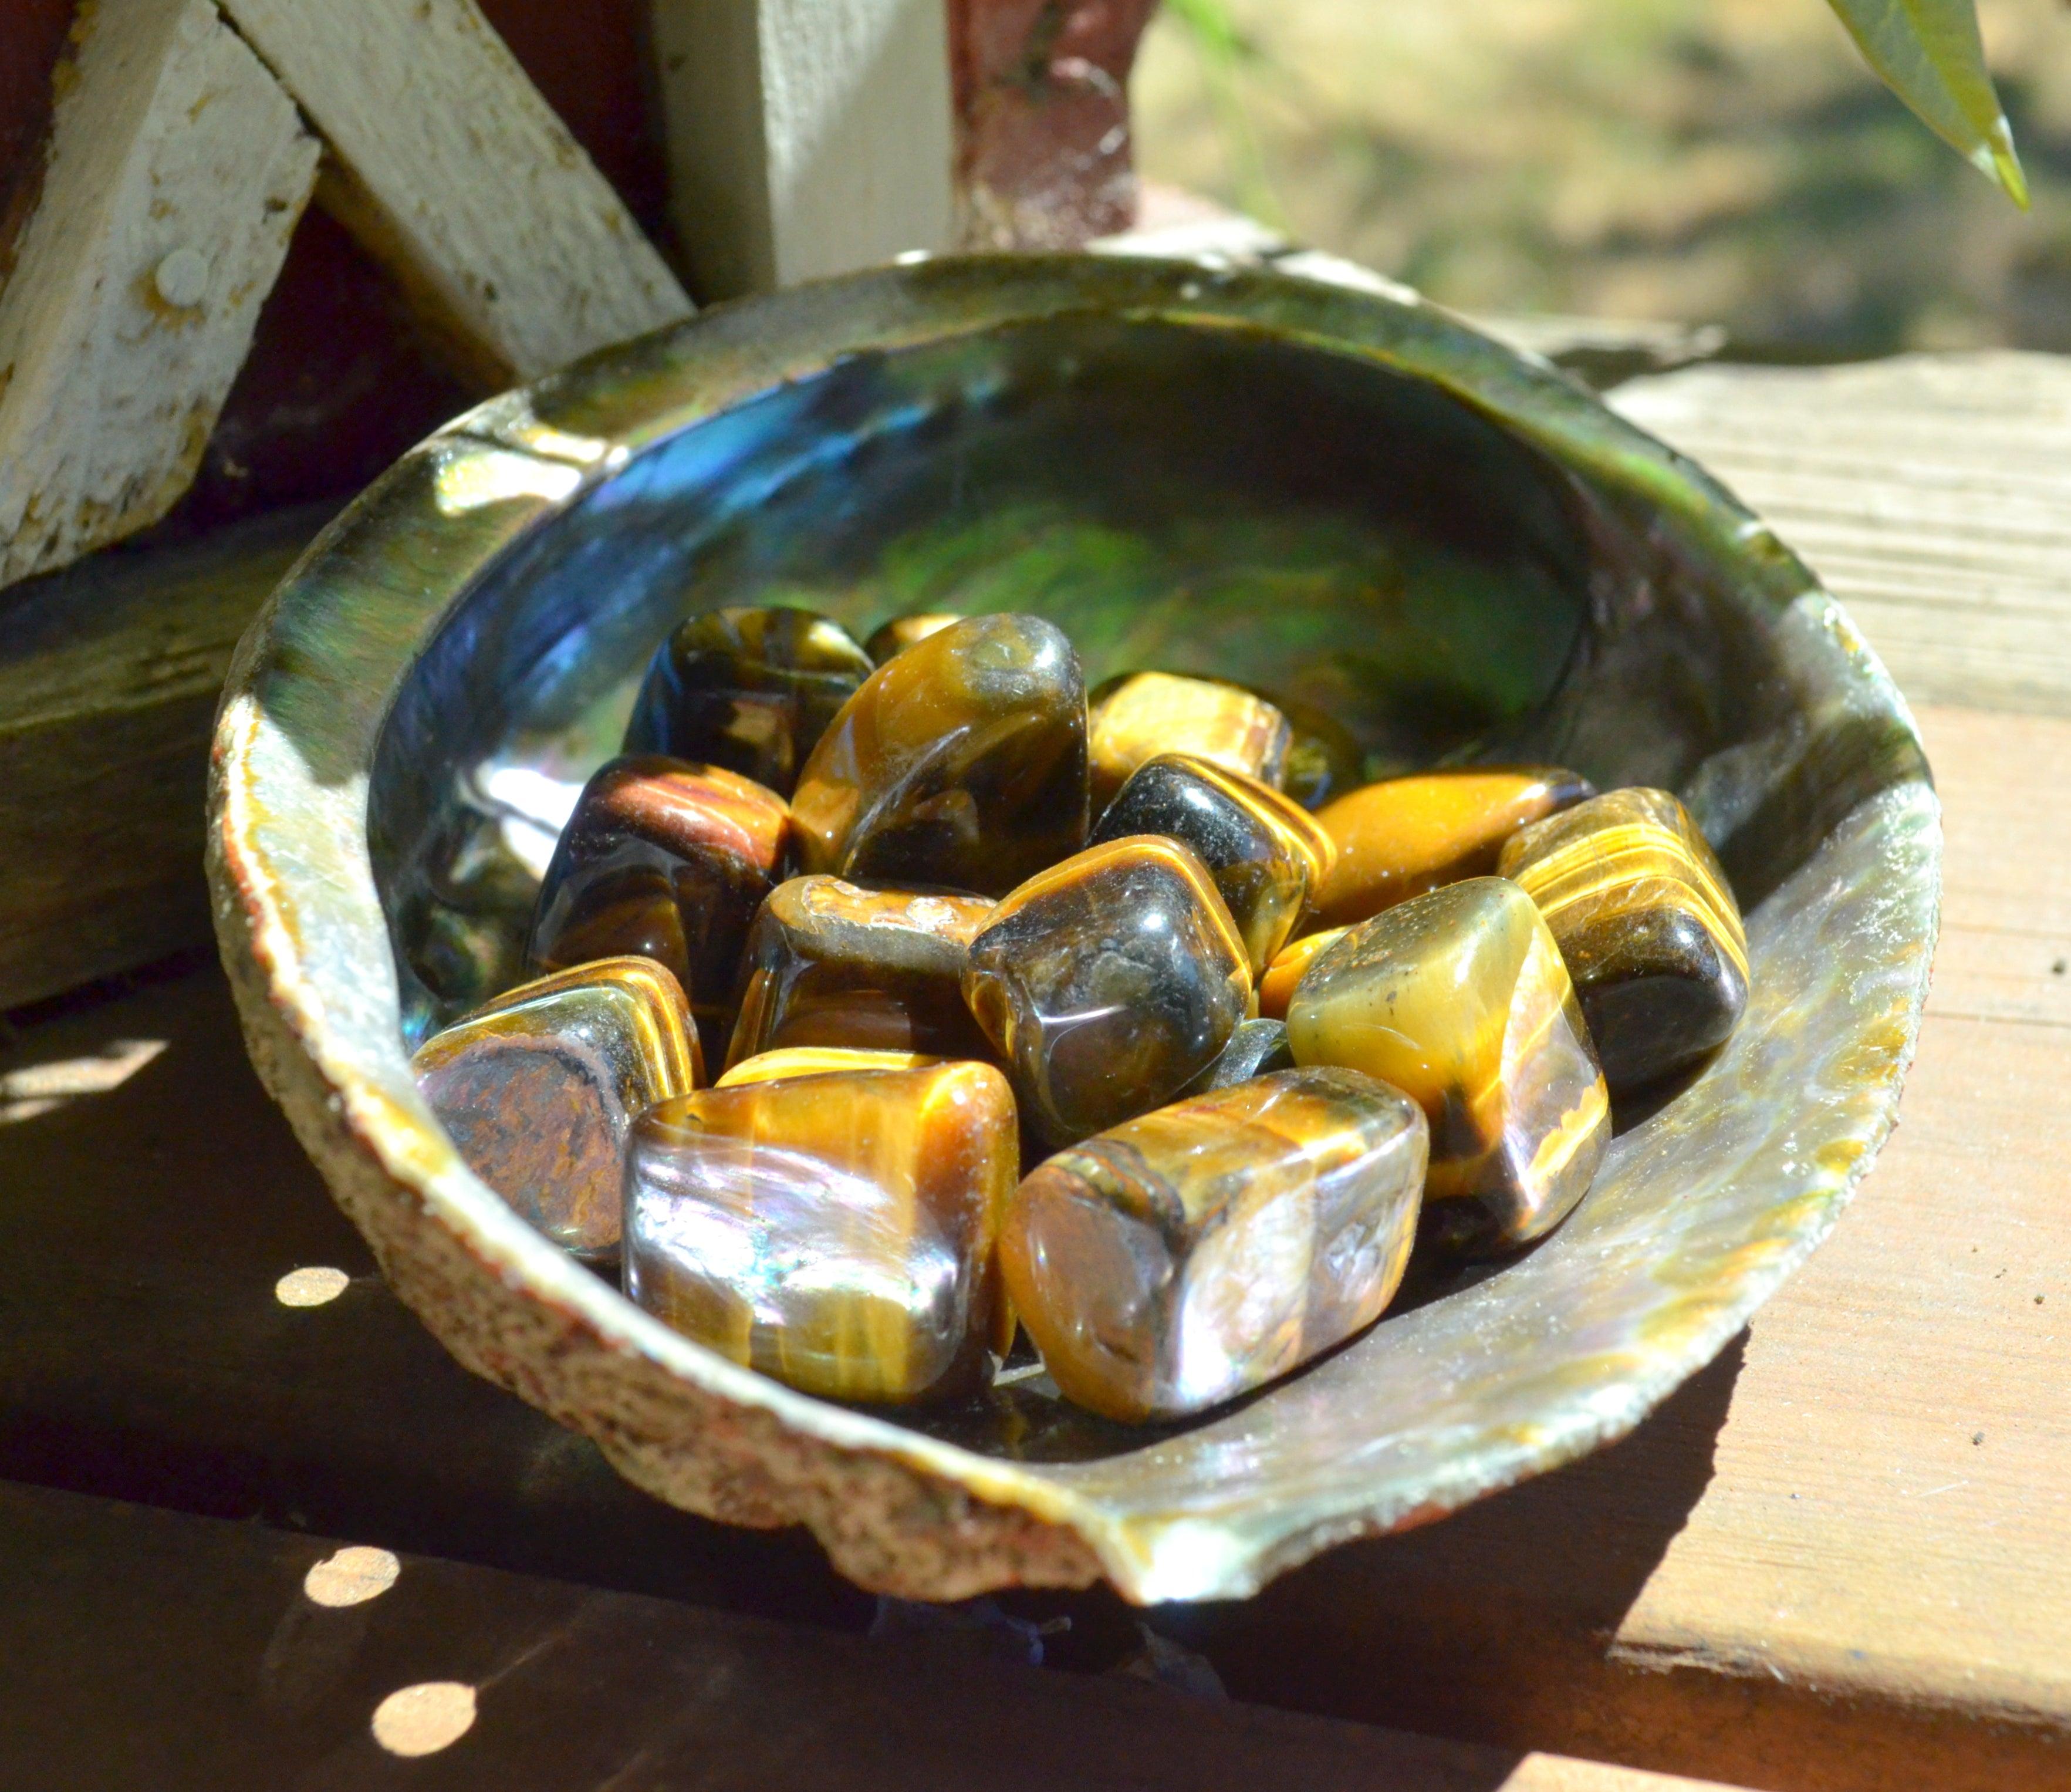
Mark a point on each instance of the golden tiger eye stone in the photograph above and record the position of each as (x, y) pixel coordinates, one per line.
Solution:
(961, 762)
(751, 690)
(836, 1231)
(1647, 925)
(1204, 1250)
(1149, 713)
(1459, 998)
(829, 963)
(1291, 964)
(819, 1060)
(903, 632)
(1108, 984)
(1265, 854)
(669, 861)
(539, 1088)
(1398, 839)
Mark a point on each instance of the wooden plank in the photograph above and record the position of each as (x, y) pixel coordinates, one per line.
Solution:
(1933, 494)
(1841, 1559)
(178, 168)
(109, 676)
(805, 137)
(454, 171)
(149, 1648)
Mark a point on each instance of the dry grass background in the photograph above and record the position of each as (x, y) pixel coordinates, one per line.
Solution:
(1711, 161)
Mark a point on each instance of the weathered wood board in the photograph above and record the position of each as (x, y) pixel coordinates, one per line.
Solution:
(177, 169)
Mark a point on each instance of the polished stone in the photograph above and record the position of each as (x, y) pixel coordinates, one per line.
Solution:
(1648, 926)
(961, 763)
(1404, 836)
(818, 1060)
(831, 963)
(1323, 760)
(1265, 854)
(671, 861)
(903, 632)
(1142, 715)
(1107, 983)
(1256, 1049)
(835, 1231)
(1458, 997)
(538, 1087)
(1208, 1248)
(1291, 964)
(751, 690)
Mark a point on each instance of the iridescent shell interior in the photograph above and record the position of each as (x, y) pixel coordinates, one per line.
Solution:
(1333, 494)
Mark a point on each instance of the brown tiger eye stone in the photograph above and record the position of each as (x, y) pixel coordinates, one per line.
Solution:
(818, 1060)
(903, 632)
(669, 861)
(1145, 714)
(1459, 998)
(961, 762)
(836, 1231)
(1647, 924)
(1205, 1249)
(1107, 983)
(750, 689)
(538, 1089)
(830, 963)
(1265, 853)
(1400, 838)
(1276, 988)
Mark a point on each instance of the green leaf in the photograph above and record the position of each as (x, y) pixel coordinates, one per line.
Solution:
(1930, 56)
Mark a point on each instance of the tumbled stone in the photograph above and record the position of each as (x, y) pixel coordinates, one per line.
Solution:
(903, 632)
(818, 1060)
(836, 1231)
(831, 963)
(1291, 964)
(1107, 983)
(962, 762)
(1459, 998)
(751, 690)
(1142, 715)
(1209, 1248)
(1404, 836)
(538, 1087)
(1265, 854)
(1323, 760)
(671, 861)
(1256, 1049)
(1647, 924)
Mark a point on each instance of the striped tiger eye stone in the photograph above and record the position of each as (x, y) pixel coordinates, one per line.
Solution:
(669, 861)
(1209, 1248)
(1647, 925)
(1400, 838)
(1291, 964)
(835, 1231)
(1256, 1049)
(1144, 714)
(1107, 983)
(1265, 854)
(903, 632)
(539, 1088)
(819, 1060)
(831, 963)
(961, 762)
(751, 690)
(1459, 998)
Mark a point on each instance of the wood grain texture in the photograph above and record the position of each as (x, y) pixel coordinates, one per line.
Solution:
(805, 137)
(108, 675)
(147, 1648)
(1931, 493)
(453, 170)
(178, 168)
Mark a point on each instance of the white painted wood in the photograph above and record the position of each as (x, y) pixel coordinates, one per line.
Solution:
(458, 173)
(805, 137)
(178, 168)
